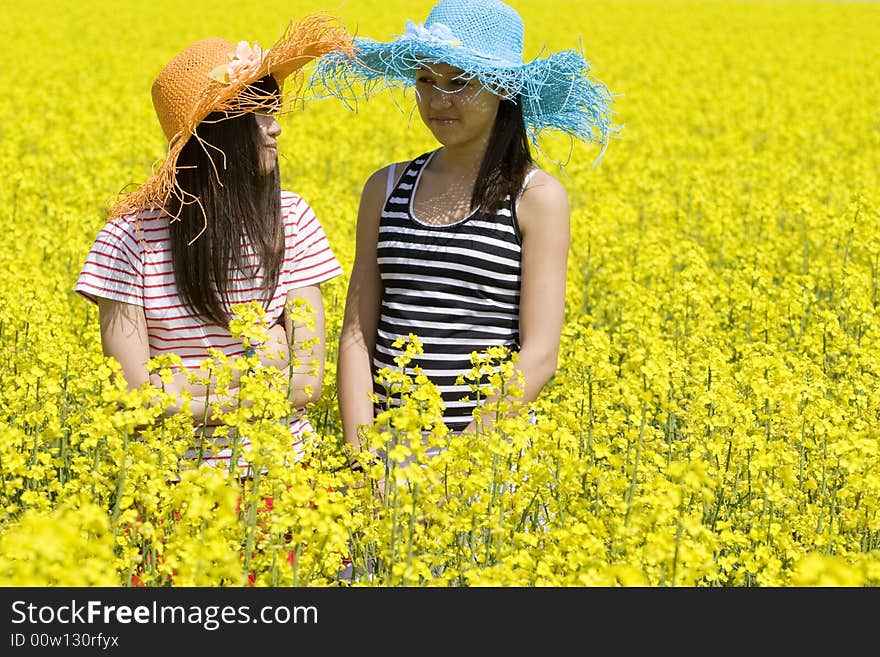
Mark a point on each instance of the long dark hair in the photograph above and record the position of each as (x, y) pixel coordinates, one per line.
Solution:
(507, 159)
(221, 168)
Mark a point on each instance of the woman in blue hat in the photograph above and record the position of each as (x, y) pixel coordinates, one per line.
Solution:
(465, 246)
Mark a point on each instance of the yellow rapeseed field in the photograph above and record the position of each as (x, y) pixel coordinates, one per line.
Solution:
(715, 420)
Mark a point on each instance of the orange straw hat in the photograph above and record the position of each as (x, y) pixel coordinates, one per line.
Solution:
(213, 75)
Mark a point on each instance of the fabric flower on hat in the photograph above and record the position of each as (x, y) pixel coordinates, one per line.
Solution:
(245, 60)
(437, 33)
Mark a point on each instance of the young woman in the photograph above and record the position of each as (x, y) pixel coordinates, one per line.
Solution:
(465, 246)
(212, 228)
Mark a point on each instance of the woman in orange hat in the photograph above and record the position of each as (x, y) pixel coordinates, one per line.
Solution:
(213, 228)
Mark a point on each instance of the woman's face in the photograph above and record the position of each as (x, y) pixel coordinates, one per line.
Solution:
(457, 110)
(268, 146)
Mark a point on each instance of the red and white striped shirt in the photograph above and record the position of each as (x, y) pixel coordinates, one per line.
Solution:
(130, 261)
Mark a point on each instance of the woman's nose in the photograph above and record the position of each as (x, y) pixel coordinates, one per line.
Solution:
(268, 125)
(439, 98)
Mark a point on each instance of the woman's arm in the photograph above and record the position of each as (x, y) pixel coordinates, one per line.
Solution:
(358, 335)
(307, 346)
(543, 216)
(124, 338)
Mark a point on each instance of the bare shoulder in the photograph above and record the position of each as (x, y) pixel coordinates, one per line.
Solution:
(375, 180)
(373, 198)
(377, 183)
(544, 200)
(545, 186)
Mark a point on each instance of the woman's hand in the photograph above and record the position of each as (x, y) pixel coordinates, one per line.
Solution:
(201, 395)
(275, 352)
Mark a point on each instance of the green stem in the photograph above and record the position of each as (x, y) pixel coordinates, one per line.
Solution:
(120, 482)
(634, 479)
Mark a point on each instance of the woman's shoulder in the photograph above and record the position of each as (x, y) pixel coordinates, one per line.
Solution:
(132, 233)
(392, 167)
(541, 187)
(134, 224)
(138, 216)
(293, 205)
(382, 179)
(538, 178)
(397, 168)
(289, 198)
(377, 182)
(543, 195)
(296, 212)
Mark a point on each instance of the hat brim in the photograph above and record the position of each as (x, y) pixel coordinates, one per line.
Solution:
(556, 91)
(301, 43)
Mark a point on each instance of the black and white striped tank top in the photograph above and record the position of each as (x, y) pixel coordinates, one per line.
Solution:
(454, 286)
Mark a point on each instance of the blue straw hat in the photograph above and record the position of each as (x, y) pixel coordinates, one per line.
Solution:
(483, 38)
